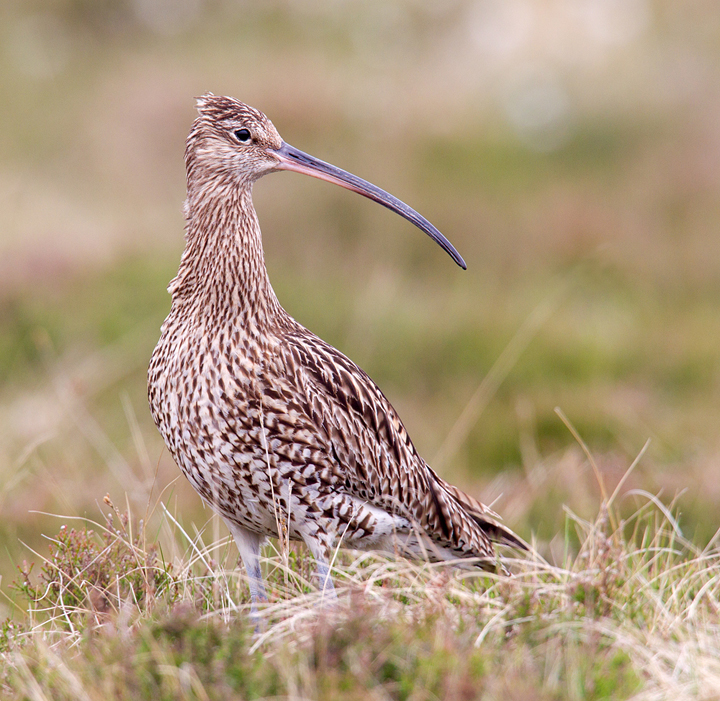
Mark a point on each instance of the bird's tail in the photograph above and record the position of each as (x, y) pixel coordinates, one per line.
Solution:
(484, 516)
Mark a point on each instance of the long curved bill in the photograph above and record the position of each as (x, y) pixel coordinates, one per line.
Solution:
(293, 159)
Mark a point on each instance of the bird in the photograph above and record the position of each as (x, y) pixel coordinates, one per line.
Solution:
(277, 430)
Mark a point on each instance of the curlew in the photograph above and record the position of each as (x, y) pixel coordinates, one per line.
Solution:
(272, 426)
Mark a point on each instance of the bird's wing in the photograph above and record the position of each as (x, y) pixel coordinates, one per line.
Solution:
(367, 451)
(364, 440)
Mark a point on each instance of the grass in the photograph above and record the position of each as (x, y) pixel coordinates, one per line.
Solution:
(633, 613)
(592, 286)
(618, 603)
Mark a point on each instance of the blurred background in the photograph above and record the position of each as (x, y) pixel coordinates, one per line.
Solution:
(570, 149)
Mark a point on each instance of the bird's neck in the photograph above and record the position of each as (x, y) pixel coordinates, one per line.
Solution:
(222, 274)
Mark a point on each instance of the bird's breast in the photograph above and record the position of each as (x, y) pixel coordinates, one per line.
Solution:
(203, 382)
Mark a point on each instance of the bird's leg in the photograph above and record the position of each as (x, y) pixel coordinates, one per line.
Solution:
(322, 567)
(248, 545)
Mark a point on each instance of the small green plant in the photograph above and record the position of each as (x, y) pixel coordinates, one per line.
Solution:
(631, 614)
(97, 574)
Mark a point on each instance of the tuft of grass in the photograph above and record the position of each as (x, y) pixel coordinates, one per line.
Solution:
(633, 612)
(96, 575)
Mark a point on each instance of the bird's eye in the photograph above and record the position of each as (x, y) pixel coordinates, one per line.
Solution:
(243, 135)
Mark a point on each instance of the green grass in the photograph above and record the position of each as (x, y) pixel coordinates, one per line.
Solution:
(498, 164)
(593, 344)
(592, 287)
(632, 613)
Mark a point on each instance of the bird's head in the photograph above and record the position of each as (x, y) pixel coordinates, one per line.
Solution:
(232, 140)
(234, 144)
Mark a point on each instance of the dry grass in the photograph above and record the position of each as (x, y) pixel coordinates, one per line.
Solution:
(592, 285)
(616, 604)
(633, 613)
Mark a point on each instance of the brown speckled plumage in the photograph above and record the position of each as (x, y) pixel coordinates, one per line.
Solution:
(268, 422)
